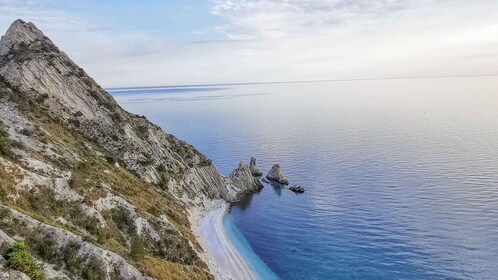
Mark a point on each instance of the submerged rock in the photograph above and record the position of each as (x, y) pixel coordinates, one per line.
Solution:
(275, 174)
(254, 168)
(297, 189)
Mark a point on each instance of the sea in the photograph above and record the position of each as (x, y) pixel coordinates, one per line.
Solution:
(401, 175)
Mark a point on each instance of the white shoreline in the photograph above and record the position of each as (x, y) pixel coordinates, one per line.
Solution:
(221, 256)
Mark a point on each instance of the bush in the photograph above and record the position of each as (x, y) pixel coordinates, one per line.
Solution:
(161, 168)
(110, 159)
(5, 149)
(19, 258)
(43, 247)
(137, 248)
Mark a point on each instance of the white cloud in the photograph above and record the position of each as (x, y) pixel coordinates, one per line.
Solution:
(268, 18)
(313, 39)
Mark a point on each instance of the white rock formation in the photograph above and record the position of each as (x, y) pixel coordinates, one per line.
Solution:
(254, 168)
(275, 174)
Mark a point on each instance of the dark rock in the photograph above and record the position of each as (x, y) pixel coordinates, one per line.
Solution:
(275, 174)
(254, 168)
(265, 180)
(297, 189)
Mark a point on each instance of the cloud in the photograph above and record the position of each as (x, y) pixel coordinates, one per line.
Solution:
(45, 13)
(263, 40)
(304, 16)
(311, 39)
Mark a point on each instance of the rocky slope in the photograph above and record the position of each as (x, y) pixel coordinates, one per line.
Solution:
(95, 192)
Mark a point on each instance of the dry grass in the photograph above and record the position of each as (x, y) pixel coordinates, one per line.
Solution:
(88, 177)
(164, 270)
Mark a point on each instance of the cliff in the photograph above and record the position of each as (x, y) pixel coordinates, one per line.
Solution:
(96, 192)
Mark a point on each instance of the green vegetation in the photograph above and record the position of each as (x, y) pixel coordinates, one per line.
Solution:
(19, 258)
(171, 258)
(137, 248)
(5, 149)
(111, 159)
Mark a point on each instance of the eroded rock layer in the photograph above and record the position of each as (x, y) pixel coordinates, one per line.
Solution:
(94, 191)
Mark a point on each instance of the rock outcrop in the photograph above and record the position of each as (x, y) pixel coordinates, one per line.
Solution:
(253, 165)
(242, 177)
(33, 65)
(275, 174)
(90, 187)
(297, 189)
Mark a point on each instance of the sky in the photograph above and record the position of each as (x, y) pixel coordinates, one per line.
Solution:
(151, 43)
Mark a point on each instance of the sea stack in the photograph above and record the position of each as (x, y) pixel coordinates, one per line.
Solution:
(297, 189)
(275, 174)
(243, 180)
(254, 168)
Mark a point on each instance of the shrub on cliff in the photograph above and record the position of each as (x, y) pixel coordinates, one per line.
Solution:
(19, 258)
(5, 150)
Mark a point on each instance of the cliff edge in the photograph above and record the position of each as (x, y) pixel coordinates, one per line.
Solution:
(94, 191)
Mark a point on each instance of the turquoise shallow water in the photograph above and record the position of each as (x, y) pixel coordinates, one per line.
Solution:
(401, 176)
(256, 264)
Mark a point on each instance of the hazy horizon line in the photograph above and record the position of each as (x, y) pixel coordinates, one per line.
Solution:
(303, 81)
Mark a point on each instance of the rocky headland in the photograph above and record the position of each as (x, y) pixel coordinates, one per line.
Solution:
(93, 191)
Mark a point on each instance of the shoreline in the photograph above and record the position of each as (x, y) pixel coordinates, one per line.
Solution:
(224, 260)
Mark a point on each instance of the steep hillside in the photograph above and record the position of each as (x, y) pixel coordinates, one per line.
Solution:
(34, 66)
(94, 192)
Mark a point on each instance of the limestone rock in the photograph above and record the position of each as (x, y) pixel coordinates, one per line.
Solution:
(5, 243)
(10, 274)
(78, 151)
(32, 64)
(253, 165)
(243, 182)
(84, 250)
(275, 174)
(297, 189)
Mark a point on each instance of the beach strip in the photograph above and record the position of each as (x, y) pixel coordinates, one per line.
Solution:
(223, 259)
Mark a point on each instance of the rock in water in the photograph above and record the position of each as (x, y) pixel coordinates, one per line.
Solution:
(297, 189)
(243, 181)
(275, 174)
(254, 168)
(265, 180)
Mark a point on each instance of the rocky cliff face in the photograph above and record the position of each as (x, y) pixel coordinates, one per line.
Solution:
(95, 191)
(34, 66)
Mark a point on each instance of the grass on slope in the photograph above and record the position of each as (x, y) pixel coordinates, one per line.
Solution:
(92, 177)
(5, 149)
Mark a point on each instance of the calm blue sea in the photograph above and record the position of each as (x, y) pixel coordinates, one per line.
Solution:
(401, 176)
